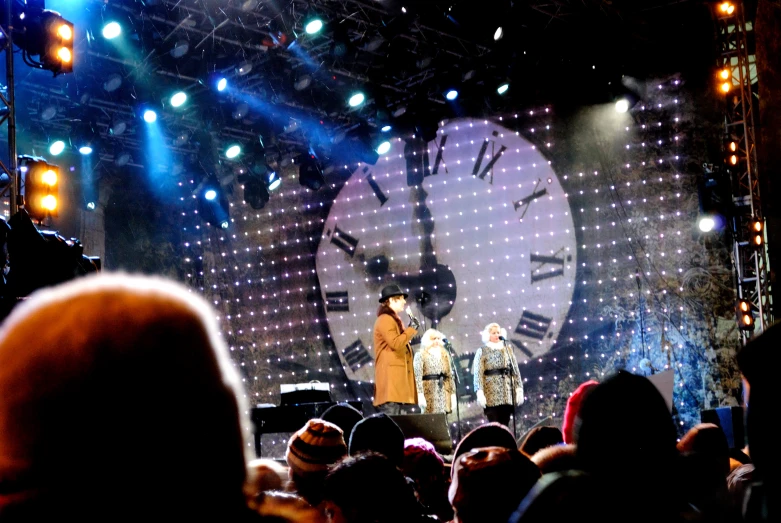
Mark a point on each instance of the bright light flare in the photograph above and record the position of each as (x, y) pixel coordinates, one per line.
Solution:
(111, 30)
(498, 34)
(178, 99)
(222, 83)
(56, 147)
(706, 223)
(356, 99)
(503, 88)
(622, 106)
(727, 8)
(65, 32)
(49, 178)
(150, 116)
(64, 54)
(233, 151)
(313, 26)
(384, 147)
(451, 95)
(49, 202)
(85, 150)
(210, 195)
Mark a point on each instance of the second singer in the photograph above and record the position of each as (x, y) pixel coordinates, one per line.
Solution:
(433, 374)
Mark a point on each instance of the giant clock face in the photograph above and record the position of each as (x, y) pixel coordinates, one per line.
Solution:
(476, 226)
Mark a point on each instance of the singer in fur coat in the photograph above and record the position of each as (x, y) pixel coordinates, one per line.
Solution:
(496, 376)
(433, 374)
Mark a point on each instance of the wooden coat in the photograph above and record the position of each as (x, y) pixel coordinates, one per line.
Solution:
(394, 377)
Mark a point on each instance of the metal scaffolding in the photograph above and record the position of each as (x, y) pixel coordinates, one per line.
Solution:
(751, 262)
(9, 115)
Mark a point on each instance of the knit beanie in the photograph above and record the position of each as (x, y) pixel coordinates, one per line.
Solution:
(344, 416)
(573, 408)
(315, 447)
(378, 433)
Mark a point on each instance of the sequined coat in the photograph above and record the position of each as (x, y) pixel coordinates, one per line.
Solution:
(496, 387)
(430, 361)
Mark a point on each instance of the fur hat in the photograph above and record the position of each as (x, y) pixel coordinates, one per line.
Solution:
(380, 434)
(568, 426)
(315, 447)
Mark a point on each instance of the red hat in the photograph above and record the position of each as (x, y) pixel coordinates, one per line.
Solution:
(573, 407)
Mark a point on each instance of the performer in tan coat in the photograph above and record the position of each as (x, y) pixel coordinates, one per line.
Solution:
(394, 379)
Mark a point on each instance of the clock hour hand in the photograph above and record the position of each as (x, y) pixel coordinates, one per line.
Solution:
(435, 285)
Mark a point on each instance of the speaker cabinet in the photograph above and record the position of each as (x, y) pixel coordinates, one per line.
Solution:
(431, 427)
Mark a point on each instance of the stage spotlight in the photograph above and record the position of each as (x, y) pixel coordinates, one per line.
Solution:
(706, 223)
(622, 105)
(302, 82)
(745, 315)
(56, 147)
(498, 34)
(222, 84)
(756, 227)
(383, 147)
(232, 151)
(41, 187)
(310, 173)
(725, 78)
(85, 150)
(111, 30)
(122, 158)
(44, 33)
(210, 194)
(112, 83)
(356, 99)
(180, 48)
(274, 180)
(386, 128)
(503, 88)
(213, 204)
(91, 206)
(178, 99)
(313, 26)
(451, 94)
(255, 193)
(150, 116)
(726, 8)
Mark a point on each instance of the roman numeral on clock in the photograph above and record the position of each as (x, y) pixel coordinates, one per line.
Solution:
(337, 301)
(490, 164)
(377, 189)
(542, 272)
(438, 160)
(533, 325)
(344, 241)
(356, 355)
(525, 202)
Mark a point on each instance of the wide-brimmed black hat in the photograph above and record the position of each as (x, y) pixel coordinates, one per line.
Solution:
(389, 291)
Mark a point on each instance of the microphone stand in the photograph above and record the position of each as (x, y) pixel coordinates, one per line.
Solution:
(457, 380)
(512, 385)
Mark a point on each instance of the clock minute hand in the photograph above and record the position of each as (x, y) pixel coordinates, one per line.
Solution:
(425, 225)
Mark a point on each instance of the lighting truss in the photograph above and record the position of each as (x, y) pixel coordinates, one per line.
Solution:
(752, 268)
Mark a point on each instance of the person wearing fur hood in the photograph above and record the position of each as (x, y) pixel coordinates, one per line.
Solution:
(433, 374)
(496, 375)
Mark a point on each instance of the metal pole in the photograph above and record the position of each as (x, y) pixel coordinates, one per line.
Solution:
(13, 168)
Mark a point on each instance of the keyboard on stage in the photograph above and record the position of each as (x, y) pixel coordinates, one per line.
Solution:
(288, 418)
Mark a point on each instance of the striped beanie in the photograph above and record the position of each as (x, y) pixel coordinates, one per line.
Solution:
(315, 447)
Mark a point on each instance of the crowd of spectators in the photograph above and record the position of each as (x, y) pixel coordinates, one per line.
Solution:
(93, 427)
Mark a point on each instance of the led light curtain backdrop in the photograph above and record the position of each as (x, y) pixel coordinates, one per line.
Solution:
(578, 235)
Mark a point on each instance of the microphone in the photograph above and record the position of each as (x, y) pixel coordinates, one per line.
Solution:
(408, 311)
(502, 338)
